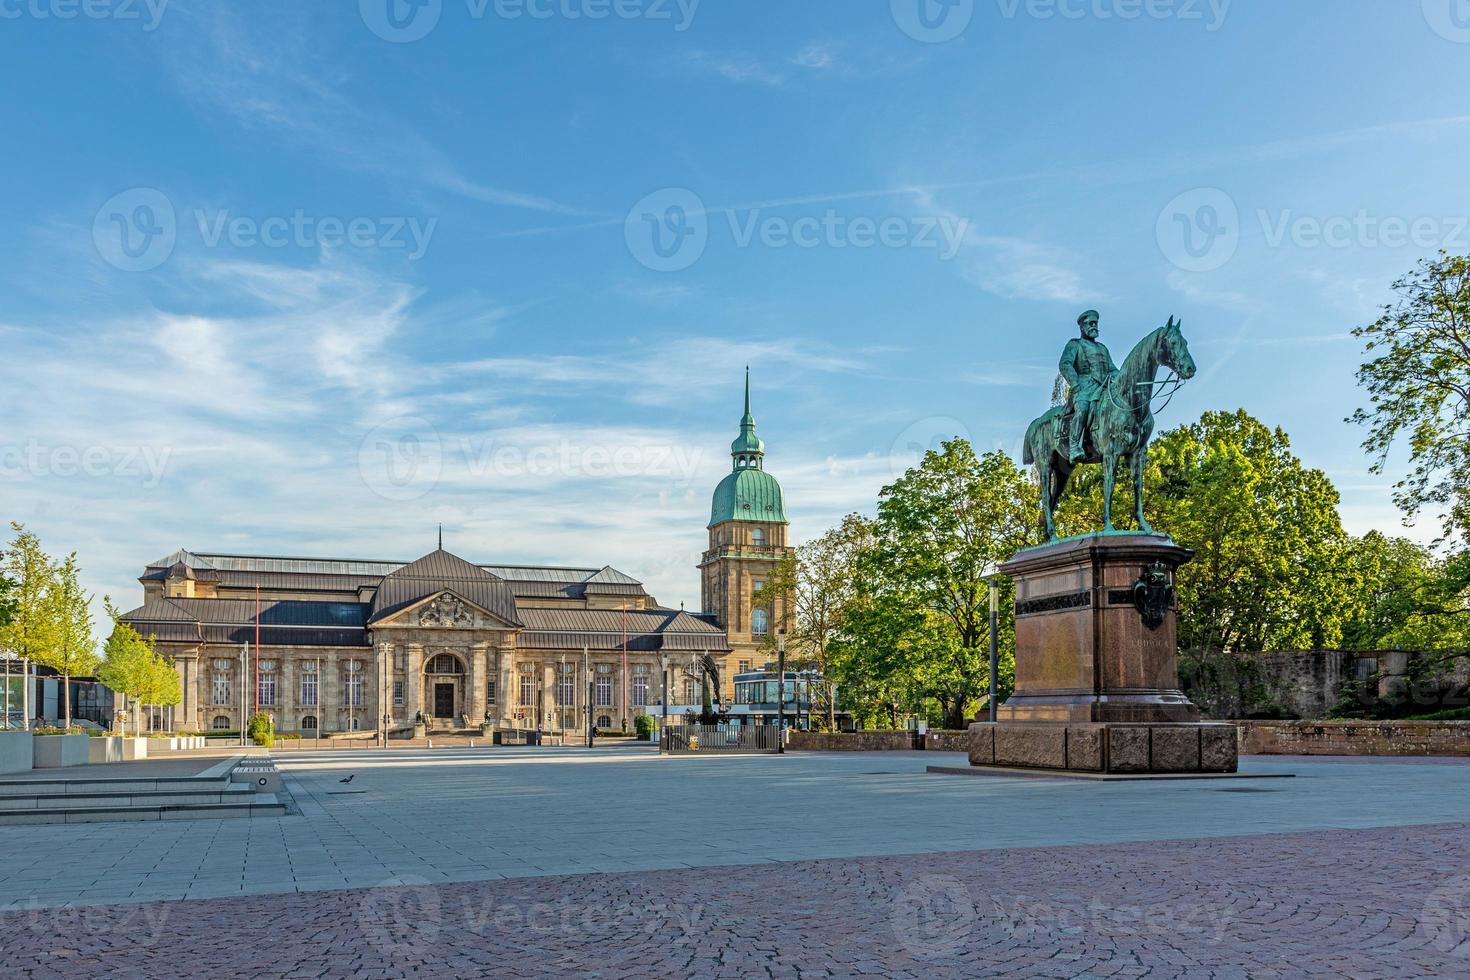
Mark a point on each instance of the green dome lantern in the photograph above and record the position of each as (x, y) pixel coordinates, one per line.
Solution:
(749, 493)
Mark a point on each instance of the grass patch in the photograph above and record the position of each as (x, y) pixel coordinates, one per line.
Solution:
(1454, 714)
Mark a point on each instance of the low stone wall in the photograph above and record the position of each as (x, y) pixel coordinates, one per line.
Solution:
(1387, 738)
(56, 751)
(887, 741)
(17, 752)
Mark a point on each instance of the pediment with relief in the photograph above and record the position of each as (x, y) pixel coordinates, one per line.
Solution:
(445, 611)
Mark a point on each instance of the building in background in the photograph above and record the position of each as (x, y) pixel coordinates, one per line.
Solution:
(747, 542)
(347, 645)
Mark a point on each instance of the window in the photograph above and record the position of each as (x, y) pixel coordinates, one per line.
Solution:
(267, 684)
(528, 686)
(604, 685)
(640, 685)
(490, 691)
(760, 623)
(691, 691)
(221, 723)
(352, 682)
(566, 685)
(603, 721)
(221, 692)
(308, 724)
(354, 724)
(309, 685)
(444, 663)
(758, 537)
(743, 667)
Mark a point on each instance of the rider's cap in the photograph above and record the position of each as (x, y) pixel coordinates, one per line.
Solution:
(1087, 314)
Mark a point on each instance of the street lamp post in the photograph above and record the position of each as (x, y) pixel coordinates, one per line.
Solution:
(781, 692)
(994, 646)
(663, 731)
(587, 668)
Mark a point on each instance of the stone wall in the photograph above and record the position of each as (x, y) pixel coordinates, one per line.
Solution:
(885, 741)
(851, 741)
(1387, 738)
(1311, 683)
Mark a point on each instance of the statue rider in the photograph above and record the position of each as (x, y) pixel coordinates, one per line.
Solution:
(1087, 366)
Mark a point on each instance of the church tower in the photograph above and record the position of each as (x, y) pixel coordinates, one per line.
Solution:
(747, 540)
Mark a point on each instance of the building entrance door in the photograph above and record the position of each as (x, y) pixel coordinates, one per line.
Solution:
(443, 700)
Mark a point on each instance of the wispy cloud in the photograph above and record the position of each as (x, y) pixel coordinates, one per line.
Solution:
(280, 84)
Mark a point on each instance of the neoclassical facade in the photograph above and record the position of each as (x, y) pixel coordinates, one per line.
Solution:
(333, 645)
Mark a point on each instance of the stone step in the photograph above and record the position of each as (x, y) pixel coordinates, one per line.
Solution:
(260, 805)
(13, 788)
(230, 793)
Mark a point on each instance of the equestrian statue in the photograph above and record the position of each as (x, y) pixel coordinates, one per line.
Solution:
(1107, 416)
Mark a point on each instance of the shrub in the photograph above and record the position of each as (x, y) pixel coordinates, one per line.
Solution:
(261, 730)
(644, 725)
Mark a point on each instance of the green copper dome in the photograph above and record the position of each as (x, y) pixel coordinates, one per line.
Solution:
(749, 493)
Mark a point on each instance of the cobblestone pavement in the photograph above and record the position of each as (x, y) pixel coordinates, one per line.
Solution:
(453, 815)
(1391, 902)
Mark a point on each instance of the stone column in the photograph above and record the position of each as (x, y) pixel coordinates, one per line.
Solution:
(510, 691)
(288, 690)
(479, 654)
(327, 682)
(383, 687)
(414, 677)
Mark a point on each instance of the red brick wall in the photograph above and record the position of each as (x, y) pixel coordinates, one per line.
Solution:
(1355, 738)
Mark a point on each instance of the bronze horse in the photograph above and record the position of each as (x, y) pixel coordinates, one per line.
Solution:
(1121, 424)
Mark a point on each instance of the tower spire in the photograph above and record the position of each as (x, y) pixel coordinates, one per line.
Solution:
(747, 449)
(441, 537)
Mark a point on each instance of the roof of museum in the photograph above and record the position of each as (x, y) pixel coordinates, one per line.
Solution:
(347, 575)
(296, 622)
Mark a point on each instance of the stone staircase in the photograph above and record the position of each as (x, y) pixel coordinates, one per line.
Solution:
(207, 797)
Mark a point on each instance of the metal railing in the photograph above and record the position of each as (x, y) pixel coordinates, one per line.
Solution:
(713, 739)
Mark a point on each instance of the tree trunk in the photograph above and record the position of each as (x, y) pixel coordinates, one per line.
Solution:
(66, 699)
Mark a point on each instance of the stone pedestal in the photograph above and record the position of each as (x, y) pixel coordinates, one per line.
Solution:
(1097, 676)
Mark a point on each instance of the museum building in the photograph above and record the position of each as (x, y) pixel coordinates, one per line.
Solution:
(334, 645)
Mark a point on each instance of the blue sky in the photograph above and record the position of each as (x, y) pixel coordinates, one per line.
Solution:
(304, 278)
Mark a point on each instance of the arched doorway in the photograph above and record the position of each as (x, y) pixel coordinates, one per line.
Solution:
(444, 689)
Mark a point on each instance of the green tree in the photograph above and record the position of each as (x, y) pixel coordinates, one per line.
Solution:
(1269, 570)
(126, 663)
(818, 585)
(1418, 382)
(72, 651)
(30, 630)
(923, 622)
